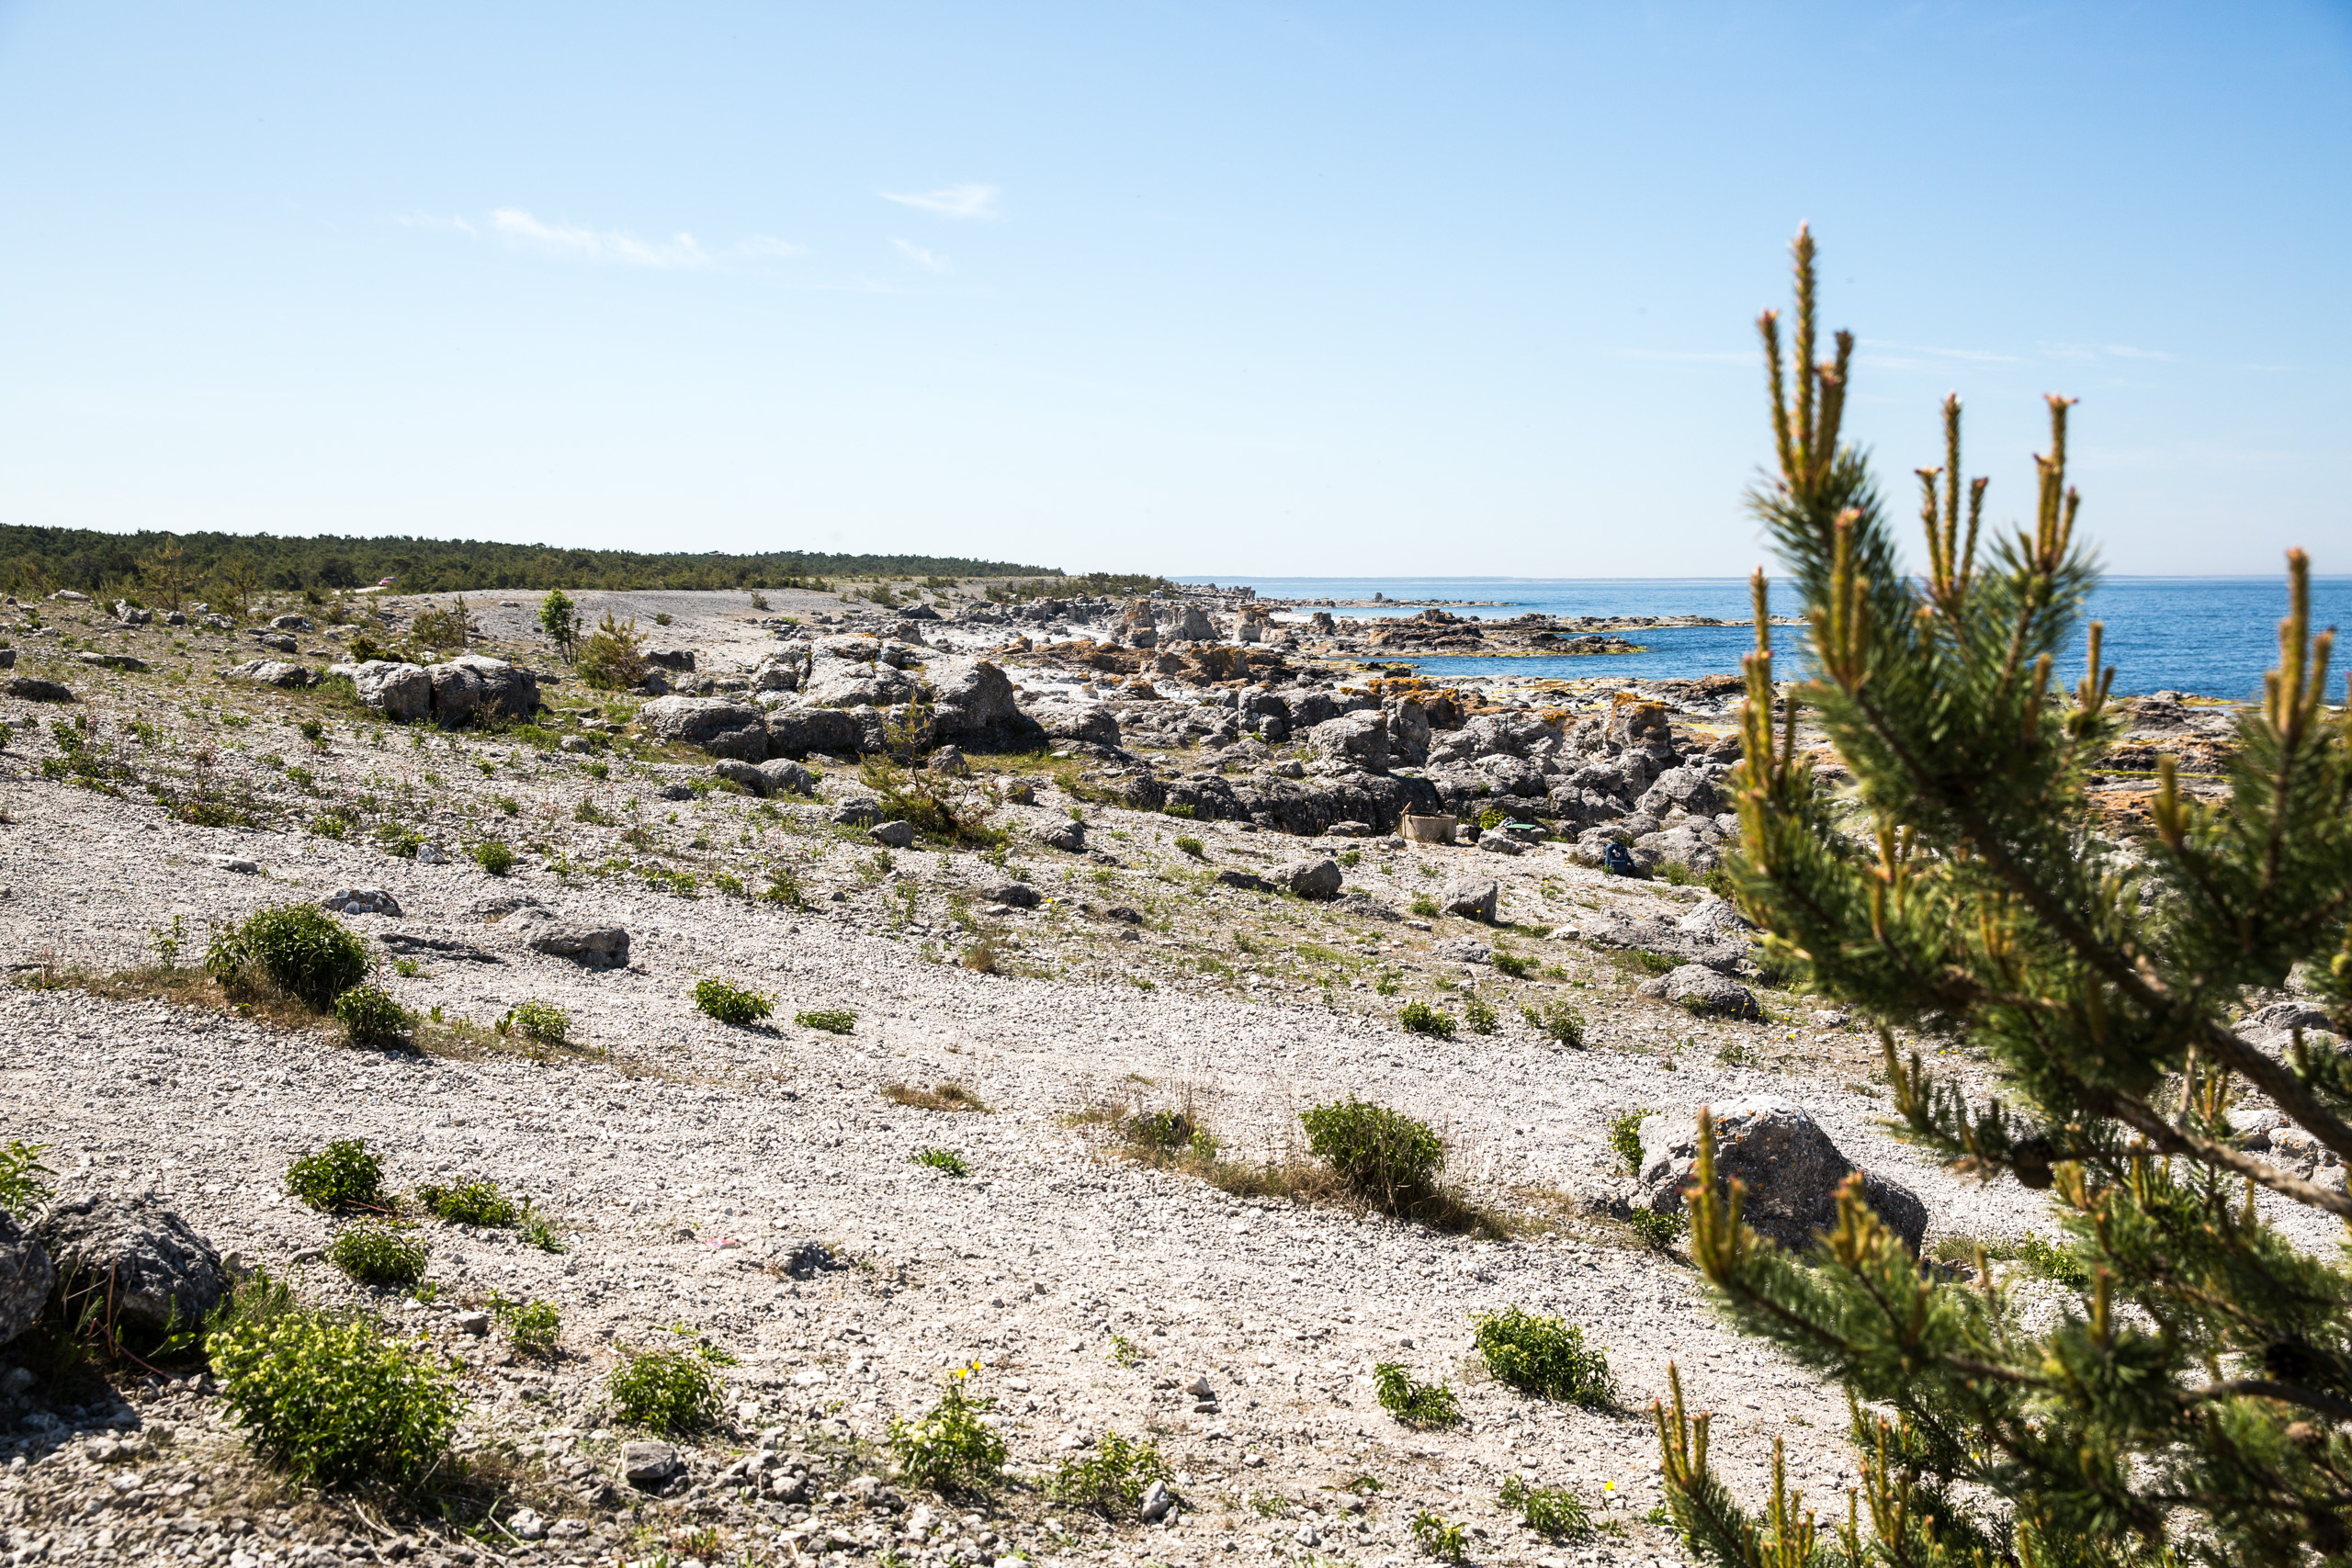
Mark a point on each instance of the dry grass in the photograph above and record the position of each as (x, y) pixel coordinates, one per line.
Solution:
(181, 986)
(946, 1095)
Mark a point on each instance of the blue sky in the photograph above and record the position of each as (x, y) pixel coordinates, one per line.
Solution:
(1200, 289)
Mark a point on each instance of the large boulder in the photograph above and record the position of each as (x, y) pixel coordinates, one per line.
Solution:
(26, 1275)
(270, 673)
(778, 776)
(1187, 623)
(1693, 789)
(1408, 732)
(1509, 775)
(1790, 1166)
(1315, 878)
(779, 671)
(968, 697)
(722, 728)
(588, 945)
(1471, 898)
(1724, 950)
(846, 683)
(1701, 989)
(1089, 722)
(1352, 740)
(679, 658)
(136, 1254)
(400, 692)
(475, 686)
(796, 731)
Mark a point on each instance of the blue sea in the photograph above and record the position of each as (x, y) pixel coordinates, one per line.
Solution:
(2206, 635)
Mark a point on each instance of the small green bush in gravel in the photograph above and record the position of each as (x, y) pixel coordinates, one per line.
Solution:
(469, 1203)
(334, 1402)
(1115, 1478)
(731, 1004)
(946, 1160)
(493, 857)
(1389, 1160)
(832, 1021)
(1625, 1137)
(1558, 1020)
(950, 1448)
(1515, 965)
(344, 1175)
(532, 1325)
(1419, 1017)
(668, 1391)
(1554, 1511)
(299, 949)
(1187, 844)
(1479, 1014)
(1544, 1355)
(370, 1017)
(1439, 1538)
(1426, 906)
(1414, 1403)
(1659, 1230)
(543, 1022)
(22, 1192)
(379, 1255)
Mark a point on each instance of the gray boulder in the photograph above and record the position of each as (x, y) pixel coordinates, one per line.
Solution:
(719, 727)
(1715, 917)
(291, 624)
(845, 684)
(478, 686)
(648, 1464)
(892, 835)
(778, 672)
(1509, 775)
(950, 761)
(1089, 722)
(361, 901)
(1014, 895)
(1701, 989)
(1463, 950)
(1353, 740)
(138, 1254)
(1471, 898)
(1314, 879)
(861, 811)
(25, 1276)
(678, 659)
(1691, 788)
(742, 774)
(1408, 733)
(400, 692)
(1500, 843)
(968, 697)
(270, 673)
(590, 946)
(1069, 836)
(32, 690)
(796, 731)
(130, 617)
(1187, 623)
(780, 776)
(1724, 955)
(1790, 1169)
(276, 642)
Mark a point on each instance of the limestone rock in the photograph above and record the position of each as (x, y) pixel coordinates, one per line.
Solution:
(1014, 895)
(1314, 879)
(1353, 740)
(26, 1275)
(892, 835)
(1471, 898)
(145, 1257)
(1247, 883)
(1691, 788)
(125, 662)
(361, 901)
(1089, 722)
(590, 946)
(648, 1464)
(1790, 1169)
(478, 685)
(796, 731)
(400, 692)
(1701, 989)
(1069, 836)
(735, 770)
(678, 659)
(719, 726)
(969, 698)
(781, 776)
(1500, 844)
(270, 673)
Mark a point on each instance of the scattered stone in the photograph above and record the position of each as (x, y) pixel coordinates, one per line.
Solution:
(32, 690)
(237, 863)
(950, 761)
(419, 944)
(474, 1322)
(735, 770)
(276, 642)
(897, 835)
(862, 812)
(1790, 1169)
(1701, 989)
(122, 662)
(292, 624)
(590, 946)
(270, 673)
(1463, 950)
(1500, 843)
(1471, 898)
(1315, 878)
(1069, 836)
(141, 1257)
(678, 659)
(1013, 895)
(648, 1464)
(361, 901)
(783, 776)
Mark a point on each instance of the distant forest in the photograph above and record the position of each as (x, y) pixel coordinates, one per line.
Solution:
(40, 560)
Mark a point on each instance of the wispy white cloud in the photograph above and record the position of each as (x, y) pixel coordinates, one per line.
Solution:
(929, 260)
(2080, 351)
(681, 252)
(1975, 355)
(953, 201)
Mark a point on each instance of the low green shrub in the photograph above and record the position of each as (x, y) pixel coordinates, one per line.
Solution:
(493, 857)
(946, 1160)
(1115, 1478)
(299, 949)
(543, 1022)
(379, 1255)
(22, 1192)
(1518, 965)
(345, 1175)
(1425, 906)
(370, 1017)
(1544, 1355)
(831, 1021)
(950, 1448)
(1479, 1014)
(1552, 1511)
(474, 1202)
(332, 1402)
(729, 1003)
(1187, 844)
(1659, 1230)
(1419, 1017)
(1556, 1020)
(1414, 1403)
(1654, 963)
(1387, 1160)
(1438, 1537)
(1625, 1137)
(533, 1324)
(668, 1391)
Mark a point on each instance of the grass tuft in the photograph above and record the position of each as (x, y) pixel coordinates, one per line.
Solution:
(1115, 1478)
(946, 1096)
(945, 1160)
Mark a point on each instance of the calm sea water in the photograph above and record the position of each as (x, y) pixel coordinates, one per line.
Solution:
(2212, 635)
